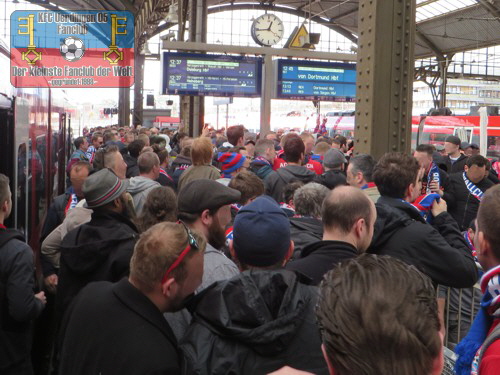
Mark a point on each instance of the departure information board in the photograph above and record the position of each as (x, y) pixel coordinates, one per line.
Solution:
(214, 75)
(316, 80)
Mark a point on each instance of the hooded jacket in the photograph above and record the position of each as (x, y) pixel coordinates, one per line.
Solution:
(304, 231)
(438, 250)
(254, 323)
(463, 206)
(332, 178)
(99, 250)
(320, 257)
(276, 182)
(18, 305)
(139, 187)
(261, 169)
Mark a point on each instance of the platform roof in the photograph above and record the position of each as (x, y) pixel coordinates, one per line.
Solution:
(443, 26)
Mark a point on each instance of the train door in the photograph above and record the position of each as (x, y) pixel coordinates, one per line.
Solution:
(62, 155)
(7, 145)
(20, 159)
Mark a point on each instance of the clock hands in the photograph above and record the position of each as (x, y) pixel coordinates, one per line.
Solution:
(269, 28)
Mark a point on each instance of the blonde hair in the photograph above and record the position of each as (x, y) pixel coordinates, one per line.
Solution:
(157, 249)
(202, 151)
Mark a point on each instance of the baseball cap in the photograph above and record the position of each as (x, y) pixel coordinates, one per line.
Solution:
(203, 194)
(333, 158)
(453, 139)
(261, 233)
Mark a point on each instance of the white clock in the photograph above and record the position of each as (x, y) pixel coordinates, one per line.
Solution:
(267, 30)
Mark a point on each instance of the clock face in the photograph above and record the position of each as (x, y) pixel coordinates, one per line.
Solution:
(267, 30)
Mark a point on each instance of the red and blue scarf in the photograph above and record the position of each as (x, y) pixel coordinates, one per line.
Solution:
(433, 175)
(368, 185)
(164, 173)
(473, 189)
(468, 348)
(423, 205)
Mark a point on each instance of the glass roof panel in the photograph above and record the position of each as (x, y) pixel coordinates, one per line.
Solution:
(433, 8)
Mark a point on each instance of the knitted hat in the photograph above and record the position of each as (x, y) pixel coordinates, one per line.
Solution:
(261, 233)
(230, 162)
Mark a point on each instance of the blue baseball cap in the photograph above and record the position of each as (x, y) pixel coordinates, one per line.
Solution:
(261, 233)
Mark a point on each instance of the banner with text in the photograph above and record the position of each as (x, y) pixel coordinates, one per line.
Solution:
(72, 48)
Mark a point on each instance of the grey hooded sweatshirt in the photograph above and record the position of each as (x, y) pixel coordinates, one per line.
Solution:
(139, 187)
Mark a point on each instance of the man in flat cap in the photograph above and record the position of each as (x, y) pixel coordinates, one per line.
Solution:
(205, 206)
(262, 318)
(99, 250)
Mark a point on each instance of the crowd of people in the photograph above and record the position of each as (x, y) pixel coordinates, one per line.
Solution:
(242, 253)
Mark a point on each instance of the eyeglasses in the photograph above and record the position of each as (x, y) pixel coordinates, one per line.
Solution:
(192, 244)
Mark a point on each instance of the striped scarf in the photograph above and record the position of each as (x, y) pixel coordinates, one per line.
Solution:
(473, 189)
(467, 350)
(433, 175)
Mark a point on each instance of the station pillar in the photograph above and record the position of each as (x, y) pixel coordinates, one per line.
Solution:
(124, 106)
(385, 68)
(138, 88)
(192, 108)
(265, 100)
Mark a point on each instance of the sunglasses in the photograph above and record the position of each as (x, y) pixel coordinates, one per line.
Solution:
(192, 244)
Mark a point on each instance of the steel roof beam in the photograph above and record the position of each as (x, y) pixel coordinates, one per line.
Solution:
(429, 44)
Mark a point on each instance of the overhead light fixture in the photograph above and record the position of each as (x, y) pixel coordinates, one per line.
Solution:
(145, 49)
(169, 36)
(172, 15)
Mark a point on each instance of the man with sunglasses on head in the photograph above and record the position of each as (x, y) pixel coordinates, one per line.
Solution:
(119, 328)
(205, 206)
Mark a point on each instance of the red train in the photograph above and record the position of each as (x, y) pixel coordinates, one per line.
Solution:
(35, 144)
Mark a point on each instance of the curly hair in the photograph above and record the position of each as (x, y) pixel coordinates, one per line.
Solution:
(160, 205)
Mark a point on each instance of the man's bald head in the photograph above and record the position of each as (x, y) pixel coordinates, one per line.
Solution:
(344, 206)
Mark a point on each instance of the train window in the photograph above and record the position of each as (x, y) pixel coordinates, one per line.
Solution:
(37, 202)
(54, 152)
(493, 147)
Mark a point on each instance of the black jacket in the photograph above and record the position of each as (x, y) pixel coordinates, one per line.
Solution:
(18, 305)
(275, 183)
(464, 206)
(132, 166)
(99, 250)
(179, 165)
(438, 250)
(331, 179)
(254, 323)
(115, 329)
(457, 166)
(320, 257)
(305, 231)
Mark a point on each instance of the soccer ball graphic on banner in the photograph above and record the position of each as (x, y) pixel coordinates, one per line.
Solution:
(72, 48)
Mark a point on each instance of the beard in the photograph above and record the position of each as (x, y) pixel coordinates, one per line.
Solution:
(216, 234)
(179, 302)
